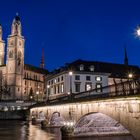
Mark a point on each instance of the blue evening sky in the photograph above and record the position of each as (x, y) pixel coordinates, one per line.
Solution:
(75, 29)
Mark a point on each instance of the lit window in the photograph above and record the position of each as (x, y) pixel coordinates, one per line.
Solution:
(88, 78)
(77, 77)
(62, 88)
(55, 81)
(91, 68)
(88, 87)
(98, 87)
(98, 78)
(81, 67)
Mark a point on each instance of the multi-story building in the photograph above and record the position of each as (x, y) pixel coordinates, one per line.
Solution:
(80, 76)
(21, 81)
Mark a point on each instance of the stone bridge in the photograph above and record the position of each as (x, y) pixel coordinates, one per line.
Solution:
(124, 110)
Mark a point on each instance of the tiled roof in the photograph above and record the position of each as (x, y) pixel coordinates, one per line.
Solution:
(35, 69)
(116, 70)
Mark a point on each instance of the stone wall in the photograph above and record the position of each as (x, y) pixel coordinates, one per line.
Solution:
(124, 110)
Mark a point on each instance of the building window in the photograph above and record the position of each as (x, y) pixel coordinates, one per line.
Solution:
(61, 78)
(88, 78)
(57, 89)
(55, 81)
(91, 68)
(77, 87)
(52, 82)
(98, 78)
(88, 87)
(25, 75)
(54, 89)
(62, 88)
(81, 67)
(98, 87)
(77, 77)
(58, 79)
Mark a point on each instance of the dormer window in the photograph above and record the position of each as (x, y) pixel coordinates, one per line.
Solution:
(91, 68)
(81, 67)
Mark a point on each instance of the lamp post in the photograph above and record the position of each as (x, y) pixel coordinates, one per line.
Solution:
(37, 93)
(130, 78)
(48, 91)
(130, 75)
(31, 98)
(70, 92)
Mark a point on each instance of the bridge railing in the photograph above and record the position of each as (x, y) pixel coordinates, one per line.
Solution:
(129, 87)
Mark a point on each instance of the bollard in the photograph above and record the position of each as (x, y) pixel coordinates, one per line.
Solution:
(67, 132)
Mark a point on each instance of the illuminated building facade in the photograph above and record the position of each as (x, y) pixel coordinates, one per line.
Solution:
(80, 76)
(21, 81)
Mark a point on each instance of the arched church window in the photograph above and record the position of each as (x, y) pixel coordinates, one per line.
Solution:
(25, 75)
(16, 28)
(19, 54)
(11, 54)
(19, 57)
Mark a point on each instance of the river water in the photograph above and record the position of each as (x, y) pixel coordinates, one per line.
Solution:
(19, 130)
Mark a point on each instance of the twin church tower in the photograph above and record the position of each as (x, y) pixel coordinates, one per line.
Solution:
(21, 79)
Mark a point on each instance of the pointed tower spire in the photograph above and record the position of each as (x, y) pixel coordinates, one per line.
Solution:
(125, 57)
(16, 26)
(42, 64)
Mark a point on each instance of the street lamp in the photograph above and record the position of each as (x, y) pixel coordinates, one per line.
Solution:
(48, 91)
(130, 75)
(70, 75)
(31, 97)
(37, 93)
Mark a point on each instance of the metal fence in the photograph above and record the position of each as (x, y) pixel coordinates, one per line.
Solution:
(127, 88)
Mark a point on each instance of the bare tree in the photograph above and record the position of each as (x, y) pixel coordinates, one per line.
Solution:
(4, 89)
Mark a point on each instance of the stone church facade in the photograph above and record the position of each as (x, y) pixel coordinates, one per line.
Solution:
(21, 81)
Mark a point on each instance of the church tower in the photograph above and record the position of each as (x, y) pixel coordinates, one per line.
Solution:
(2, 48)
(42, 64)
(15, 60)
(125, 57)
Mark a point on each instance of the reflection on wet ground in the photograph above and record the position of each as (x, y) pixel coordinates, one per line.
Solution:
(19, 130)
